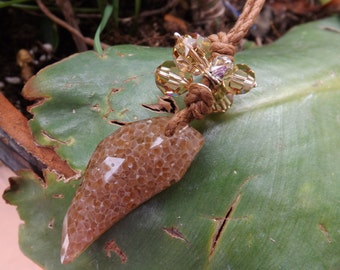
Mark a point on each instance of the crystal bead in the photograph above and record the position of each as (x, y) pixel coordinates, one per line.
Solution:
(222, 100)
(191, 53)
(220, 66)
(240, 81)
(127, 168)
(170, 80)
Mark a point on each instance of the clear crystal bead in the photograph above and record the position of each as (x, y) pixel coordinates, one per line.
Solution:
(191, 53)
(240, 81)
(170, 80)
(220, 66)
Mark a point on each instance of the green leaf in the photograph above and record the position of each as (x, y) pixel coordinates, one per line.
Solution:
(266, 183)
(106, 16)
(88, 91)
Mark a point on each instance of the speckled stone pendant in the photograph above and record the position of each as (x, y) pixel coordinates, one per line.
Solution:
(127, 168)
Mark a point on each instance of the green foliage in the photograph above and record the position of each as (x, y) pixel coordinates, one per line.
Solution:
(105, 18)
(88, 91)
(12, 3)
(270, 164)
(115, 4)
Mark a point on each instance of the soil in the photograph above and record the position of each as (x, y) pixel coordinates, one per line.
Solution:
(154, 25)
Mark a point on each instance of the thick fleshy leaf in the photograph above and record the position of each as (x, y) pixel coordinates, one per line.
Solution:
(86, 93)
(263, 193)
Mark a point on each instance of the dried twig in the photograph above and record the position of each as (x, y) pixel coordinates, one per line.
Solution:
(67, 10)
(72, 30)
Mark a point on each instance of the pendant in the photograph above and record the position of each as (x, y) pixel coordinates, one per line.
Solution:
(127, 168)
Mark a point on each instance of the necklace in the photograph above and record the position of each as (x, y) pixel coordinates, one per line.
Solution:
(145, 157)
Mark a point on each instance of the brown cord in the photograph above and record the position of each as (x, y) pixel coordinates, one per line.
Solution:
(199, 100)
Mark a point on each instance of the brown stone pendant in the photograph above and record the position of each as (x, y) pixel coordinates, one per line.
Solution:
(127, 168)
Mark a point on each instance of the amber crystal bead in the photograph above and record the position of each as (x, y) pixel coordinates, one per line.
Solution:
(240, 81)
(192, 57)
(222, 100)
(170, 80)
(127, 168)
(192, 53)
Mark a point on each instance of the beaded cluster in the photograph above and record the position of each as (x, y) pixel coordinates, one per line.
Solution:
(193, 58)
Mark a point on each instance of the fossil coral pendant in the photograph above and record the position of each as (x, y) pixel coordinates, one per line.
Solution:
(127, 168)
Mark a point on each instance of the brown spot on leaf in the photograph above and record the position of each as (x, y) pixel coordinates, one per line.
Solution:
(130, 79)
(115, 90)
(95, 107)
(175, 233)
(118, 123)
(58, 196)
(325, 232)
(51, 224)
(121, 113)
(51, 138)
(111, 246)
(222, 224)
(331, 29)
(165, 104)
